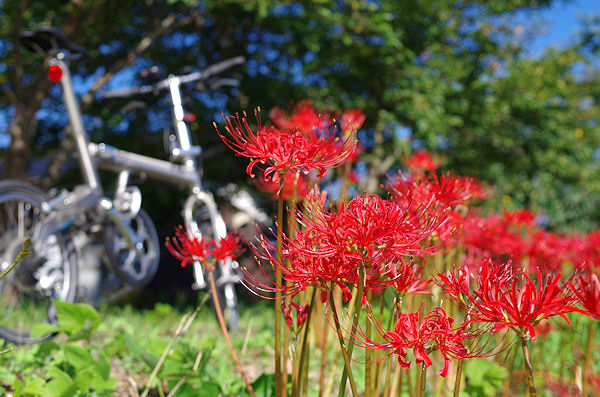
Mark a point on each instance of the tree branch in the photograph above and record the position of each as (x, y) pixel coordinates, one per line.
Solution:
(167, 24)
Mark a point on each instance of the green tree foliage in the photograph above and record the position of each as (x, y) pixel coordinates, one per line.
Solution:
(455, 73)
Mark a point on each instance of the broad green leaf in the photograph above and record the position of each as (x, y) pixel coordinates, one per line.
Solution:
(140, 352)
(34, 385)
(264, 385)
(77, 320)
(79, 357)
(43, 329)
(61, 383)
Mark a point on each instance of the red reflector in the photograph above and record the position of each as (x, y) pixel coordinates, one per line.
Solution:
(189, 117)
(54, 73)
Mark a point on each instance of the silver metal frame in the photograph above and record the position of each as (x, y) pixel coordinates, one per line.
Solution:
(62, 210)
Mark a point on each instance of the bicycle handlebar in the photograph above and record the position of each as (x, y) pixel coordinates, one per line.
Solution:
(205, 74)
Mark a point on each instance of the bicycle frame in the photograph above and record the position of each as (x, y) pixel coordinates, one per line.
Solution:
(62, 210)
(93, 156)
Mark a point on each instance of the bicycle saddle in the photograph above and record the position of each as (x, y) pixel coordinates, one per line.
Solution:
(46, 38)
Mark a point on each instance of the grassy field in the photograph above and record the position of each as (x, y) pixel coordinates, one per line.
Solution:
(118, 350)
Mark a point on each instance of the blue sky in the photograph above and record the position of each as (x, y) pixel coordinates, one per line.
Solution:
(562, 22)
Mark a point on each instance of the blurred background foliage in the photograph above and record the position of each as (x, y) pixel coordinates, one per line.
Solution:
(452, 76)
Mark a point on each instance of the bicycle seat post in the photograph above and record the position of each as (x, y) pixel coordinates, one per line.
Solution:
(183, 134)
(88, 166)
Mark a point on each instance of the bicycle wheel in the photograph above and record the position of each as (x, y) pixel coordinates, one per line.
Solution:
(134, 270)
(223, 272)
(26, 293)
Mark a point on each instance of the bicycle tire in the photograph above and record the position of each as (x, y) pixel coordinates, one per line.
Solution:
(38, 278)
(225, 289)
(141, 271)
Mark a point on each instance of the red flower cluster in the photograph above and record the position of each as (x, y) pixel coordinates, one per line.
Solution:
(505, 297)
(369, 231)
(587, 292)
(434, 331)
(514, 235)
(291, 182)
(444, 193)
(302, 142)
(422, 160)
(189, 249)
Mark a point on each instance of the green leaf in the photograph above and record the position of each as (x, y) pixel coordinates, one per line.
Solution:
(77, 320)
(140, 352)
(7, 376)
(79, 357)
(61, 384)
(485, 377)
(43, 329)
(264, 385)
(34, 385)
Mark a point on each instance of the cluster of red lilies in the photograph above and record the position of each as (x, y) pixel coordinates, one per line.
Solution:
(501, 271)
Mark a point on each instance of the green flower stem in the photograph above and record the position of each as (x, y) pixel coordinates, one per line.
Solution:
(357, 307)
(588, 355)
(213, 289)
(348, 369)
(304, 358)
(423, 380)
(368, 356)
(388, 375)
(459, 368)
(280, 382)
(532, 391)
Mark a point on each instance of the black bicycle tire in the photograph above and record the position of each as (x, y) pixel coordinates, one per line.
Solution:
(13, 187)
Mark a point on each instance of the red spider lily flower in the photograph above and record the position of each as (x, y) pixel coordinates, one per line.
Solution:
(282, 151)
(422, 335)
(352, 120)
(304, 118)
(587, 292)
(496, 237)
(291, 182)
(301, 313)
(369, 233)
(408, 279)
(228, 247)
(422, 161)
(543, 328)
(188, 249)
(446, 189)
(506, 297)
(560, 388)
(519, 217)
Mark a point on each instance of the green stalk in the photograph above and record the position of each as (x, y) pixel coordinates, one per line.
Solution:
(213, 288)
(423, 380)
(368, 356)
(280, 383)
(388, 375)
(588, 355)
(532, 391)
(303, 364)
(459, 367)
(357, 308)
(348, 369)
(323, 358)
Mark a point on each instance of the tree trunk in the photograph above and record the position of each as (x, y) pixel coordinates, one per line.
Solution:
(22, 130)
